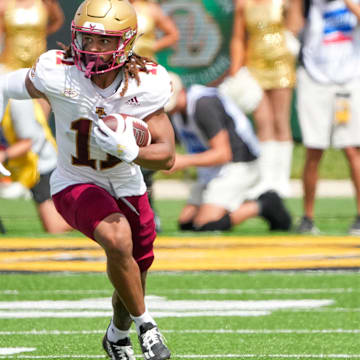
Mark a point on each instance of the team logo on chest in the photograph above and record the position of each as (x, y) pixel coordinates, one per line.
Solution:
(100, 111)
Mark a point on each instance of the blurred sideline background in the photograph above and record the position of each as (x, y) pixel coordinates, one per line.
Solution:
(202, 56)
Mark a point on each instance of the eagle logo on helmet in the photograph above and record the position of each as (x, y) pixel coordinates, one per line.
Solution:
(115, 18)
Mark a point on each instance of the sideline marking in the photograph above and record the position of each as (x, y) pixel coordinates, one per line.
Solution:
(188, 253)
(159, 306)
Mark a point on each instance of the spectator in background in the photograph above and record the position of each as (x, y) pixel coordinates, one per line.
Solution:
(24, 27)
(329, 94)
(31, 157)
(223, 147)
(151, 18)
(261, 43)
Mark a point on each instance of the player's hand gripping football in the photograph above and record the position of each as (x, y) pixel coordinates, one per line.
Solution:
(120, 143)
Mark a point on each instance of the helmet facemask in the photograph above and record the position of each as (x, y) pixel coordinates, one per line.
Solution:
(92, 63)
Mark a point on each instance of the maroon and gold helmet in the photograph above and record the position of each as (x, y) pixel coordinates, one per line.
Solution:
(103, 17)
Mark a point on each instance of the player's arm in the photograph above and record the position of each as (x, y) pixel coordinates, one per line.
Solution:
(353, 7)
(219, 153)
(56, 16)
(237, 42)
(295, 16)
(19, 148)
(159, 155)
(209, 115)
(2, 12)
(167, 26)
(32, 90)
(16, 85)
(25, 127)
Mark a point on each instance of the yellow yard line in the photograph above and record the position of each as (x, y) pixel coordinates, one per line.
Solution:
(195, 253)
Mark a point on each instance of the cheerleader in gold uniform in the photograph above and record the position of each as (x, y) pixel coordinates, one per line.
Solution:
(260, 41)
(24, 26)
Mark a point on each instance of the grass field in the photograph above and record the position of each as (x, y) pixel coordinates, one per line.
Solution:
(276, 315)
(305, 314)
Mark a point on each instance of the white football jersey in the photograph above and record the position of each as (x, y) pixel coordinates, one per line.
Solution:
(77, 106)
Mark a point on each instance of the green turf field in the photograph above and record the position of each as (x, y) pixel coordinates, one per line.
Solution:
(204, 315)
(209, 315)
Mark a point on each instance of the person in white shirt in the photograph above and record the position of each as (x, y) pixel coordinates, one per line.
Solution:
(328, 95)
(98, 186)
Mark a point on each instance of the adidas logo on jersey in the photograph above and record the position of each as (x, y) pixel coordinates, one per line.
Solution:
(133, 101)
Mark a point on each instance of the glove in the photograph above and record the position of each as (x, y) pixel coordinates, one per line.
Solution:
(4, 171)
(120, 144)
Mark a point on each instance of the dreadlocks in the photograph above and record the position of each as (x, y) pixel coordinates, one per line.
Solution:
(133, 65)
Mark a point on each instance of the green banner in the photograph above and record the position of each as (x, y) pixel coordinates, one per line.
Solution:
(202, 53)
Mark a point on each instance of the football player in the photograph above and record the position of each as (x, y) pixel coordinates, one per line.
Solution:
(97, 186)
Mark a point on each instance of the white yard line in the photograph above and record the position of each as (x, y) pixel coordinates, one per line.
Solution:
(192, 331)
(278, 291)
(203, 356)
(275, 291)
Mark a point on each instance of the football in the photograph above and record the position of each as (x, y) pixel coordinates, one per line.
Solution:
(141, 131)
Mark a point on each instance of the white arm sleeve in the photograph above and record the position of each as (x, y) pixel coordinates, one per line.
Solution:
(12, 86)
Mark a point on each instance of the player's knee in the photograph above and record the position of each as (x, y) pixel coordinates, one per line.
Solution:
(117, 244)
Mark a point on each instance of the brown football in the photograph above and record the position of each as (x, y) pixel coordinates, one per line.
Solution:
(141, 131)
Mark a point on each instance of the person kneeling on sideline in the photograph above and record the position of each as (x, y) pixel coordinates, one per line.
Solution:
(223, 147)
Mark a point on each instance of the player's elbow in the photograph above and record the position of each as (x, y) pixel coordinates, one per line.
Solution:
(169, 161)
(225, 156)
(168, 155)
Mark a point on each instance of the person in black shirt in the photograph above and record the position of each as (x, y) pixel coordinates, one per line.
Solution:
(222, 146)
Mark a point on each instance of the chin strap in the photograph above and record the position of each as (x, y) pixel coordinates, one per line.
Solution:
(93, 61)
(89, 67)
